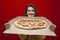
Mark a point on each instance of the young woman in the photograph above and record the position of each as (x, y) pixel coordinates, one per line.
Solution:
(31, 12)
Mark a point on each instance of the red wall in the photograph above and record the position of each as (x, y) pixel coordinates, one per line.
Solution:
(13, 8)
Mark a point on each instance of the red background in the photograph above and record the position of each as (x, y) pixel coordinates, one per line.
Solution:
(13, 8)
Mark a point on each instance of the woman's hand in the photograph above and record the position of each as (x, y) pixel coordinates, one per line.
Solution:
(7, 25)
(52, 27)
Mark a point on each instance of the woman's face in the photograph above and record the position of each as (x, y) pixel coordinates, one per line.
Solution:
(30, 12)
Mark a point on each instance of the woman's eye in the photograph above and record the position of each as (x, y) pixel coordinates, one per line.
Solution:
(28, 10)
(32, 10)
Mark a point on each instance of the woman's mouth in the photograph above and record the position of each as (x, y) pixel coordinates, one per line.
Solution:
(31, 14)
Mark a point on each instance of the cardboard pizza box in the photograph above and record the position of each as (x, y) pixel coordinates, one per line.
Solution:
(44, 31)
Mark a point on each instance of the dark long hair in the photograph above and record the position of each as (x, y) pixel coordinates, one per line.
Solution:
(31, 5)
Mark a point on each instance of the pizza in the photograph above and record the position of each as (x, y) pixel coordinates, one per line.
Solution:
(30, 23)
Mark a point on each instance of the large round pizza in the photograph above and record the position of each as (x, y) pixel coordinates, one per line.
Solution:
(30, 23)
